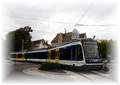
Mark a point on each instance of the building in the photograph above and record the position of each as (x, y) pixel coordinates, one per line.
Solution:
(40, 44)
(65, 37)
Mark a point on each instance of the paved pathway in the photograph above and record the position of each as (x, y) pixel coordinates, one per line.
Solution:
(28, 72)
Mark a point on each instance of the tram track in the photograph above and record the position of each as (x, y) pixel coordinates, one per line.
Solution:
(92, 75)
(102, 75)
(76, 76)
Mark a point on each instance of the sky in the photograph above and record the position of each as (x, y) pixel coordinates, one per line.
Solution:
(49, 17)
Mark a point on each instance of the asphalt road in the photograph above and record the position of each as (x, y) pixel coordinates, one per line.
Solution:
(27, 72)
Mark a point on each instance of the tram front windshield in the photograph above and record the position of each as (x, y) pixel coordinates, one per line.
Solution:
(90, 50)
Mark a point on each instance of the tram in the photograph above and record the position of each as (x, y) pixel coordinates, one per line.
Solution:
(79, 53)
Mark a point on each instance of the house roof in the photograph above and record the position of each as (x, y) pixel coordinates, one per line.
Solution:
(82, 35)
(67, 37)
(41, 40)
(55, 40)
(38, 41)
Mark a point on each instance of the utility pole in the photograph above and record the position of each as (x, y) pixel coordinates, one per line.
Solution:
(23, 57)
(94, 37)
(22, 45)
(65, 34)
(65, 30)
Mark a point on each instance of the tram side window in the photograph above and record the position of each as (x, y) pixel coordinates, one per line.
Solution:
(19, 55)
(65, 53)
(62, 54)
(73, 57)
(45, 55)
(52, 54)
(36, 55)
(31, 55)
(71, 53)
(41, 55)
(76, 53)
(80, 54)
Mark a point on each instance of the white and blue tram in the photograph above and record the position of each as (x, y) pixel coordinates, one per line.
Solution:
(83, 52)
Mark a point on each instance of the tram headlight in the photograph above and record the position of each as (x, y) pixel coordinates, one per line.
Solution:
(105, 61)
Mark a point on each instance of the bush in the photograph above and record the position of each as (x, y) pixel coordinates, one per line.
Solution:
(104, 47)
(50, 66)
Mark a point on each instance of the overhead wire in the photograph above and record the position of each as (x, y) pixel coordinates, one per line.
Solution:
(84, 13)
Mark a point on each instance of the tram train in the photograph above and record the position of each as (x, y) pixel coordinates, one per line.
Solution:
(79, 53)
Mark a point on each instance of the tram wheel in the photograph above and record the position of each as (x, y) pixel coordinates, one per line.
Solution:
(105, 69)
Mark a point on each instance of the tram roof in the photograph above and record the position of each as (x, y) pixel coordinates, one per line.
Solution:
(64, 43)
(75, 40)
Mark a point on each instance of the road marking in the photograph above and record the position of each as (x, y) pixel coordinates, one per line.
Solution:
(93, 76)
(86, 77)
(77, 77)
(103, 75)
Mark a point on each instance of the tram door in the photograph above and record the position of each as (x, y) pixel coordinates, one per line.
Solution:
(54, 56)
(20, 57)
(57, 55)
(49, 56)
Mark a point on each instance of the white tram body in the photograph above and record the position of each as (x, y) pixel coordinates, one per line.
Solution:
(75, 53)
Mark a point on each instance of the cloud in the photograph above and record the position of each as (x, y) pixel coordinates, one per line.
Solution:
(51, 17)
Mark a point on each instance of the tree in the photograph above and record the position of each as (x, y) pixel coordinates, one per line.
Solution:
(20, 39)
(105, 47)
